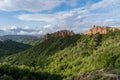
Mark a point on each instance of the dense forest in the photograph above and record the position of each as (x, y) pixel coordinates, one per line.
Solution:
(8, 47)
(77, 57)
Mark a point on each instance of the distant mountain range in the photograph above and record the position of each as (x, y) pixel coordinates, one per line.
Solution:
(26, 39)
(18, 37)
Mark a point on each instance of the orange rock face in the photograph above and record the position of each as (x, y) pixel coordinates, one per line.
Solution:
(61, 33)
(100, 30)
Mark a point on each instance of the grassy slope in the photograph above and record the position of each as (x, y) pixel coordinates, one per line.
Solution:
(69, 56)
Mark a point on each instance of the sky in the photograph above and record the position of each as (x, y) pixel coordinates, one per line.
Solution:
(38, 17)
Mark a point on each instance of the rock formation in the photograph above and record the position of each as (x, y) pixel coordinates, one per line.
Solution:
(61, 33)
(100, 29)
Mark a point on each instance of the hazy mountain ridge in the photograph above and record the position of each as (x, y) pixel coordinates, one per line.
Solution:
(18, 37)
(26, 39)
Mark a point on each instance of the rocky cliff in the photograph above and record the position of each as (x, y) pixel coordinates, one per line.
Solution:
(100, 29)
(61, 33)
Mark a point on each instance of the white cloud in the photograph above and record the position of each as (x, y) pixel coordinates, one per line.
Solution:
(21, 31)
(30, 33)
(9, 29)
(26, 27)
(32, 5)
(13, 27)
(72, 2)
(49, 17)
(105, 4)
(36, 17)
(104, 13)
(47, 26)
(80, 19)
(65, 19)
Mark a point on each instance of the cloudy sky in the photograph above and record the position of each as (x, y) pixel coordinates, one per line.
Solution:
(36, 17)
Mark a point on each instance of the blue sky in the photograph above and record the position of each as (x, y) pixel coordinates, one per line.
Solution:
(36, 17)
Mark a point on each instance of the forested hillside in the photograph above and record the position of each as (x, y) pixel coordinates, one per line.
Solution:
(77, 57)
(31, 42)
(18, 38)
(8, 47)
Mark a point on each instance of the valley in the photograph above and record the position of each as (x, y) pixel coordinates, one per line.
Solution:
(64, 55)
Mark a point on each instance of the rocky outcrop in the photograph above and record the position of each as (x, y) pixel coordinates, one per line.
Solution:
(61, 33)
(100, 30)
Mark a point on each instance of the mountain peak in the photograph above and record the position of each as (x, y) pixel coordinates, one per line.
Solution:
(61, 33)
(100, 29)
